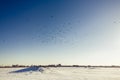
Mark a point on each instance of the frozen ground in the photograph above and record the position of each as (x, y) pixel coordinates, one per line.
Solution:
(62, 74)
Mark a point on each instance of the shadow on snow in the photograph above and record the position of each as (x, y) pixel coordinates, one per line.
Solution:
(29, 69)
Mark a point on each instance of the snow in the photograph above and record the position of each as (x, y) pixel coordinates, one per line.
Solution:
(33, 68)
(61, 73)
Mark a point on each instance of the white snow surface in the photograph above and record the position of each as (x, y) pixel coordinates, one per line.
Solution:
(62, 73)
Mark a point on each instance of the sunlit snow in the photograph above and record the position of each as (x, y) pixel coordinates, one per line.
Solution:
(62, 73)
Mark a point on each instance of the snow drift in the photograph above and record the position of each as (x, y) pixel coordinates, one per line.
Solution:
(29, 69)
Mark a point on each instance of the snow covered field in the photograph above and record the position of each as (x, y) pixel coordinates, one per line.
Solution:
(61, 73)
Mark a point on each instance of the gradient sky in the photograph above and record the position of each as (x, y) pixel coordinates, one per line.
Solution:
(60, 31)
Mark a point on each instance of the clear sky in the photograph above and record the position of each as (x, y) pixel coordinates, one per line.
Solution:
(60, 31)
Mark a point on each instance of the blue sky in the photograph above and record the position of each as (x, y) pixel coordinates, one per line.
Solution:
(60, 31)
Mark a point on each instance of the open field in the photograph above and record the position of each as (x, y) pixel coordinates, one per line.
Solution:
(62, 73)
